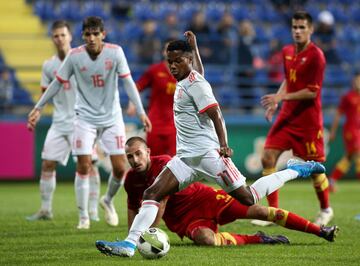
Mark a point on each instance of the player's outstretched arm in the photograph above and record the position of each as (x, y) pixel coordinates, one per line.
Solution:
(197, 64)
(216, 116)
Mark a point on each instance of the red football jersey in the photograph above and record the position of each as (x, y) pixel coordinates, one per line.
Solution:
(350, 107)
(303, 70)
(136, 184)
(163, 84)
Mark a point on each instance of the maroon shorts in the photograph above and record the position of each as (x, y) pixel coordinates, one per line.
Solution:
(306, 144)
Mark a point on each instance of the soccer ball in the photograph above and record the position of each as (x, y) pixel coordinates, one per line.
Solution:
(153, 243)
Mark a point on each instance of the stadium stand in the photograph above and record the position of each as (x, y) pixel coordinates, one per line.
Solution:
(124, 21)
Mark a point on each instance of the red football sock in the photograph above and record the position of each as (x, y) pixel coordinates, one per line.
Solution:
(273, 198)
(321, 185)
(298, 223)
(292, 221)
(337, 174)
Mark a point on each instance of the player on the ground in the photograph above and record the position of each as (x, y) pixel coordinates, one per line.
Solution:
(299, 125)
(57, 146)
(96, 67)
(198, 210)
(202, 151)
(162, 139)
(349, 107)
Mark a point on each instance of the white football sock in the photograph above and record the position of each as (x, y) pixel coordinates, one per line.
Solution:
(47, 188)
(270, 183)
(113, 186)
(82, 194)
(94, 190)
(143, 220)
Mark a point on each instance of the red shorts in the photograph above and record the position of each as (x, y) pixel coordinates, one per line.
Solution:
(233, 211)
(352, 141)
(161, 143)
(306, 144)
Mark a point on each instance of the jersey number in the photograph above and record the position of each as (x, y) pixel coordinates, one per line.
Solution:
(120, 142)
(310, 148)
(98, 81)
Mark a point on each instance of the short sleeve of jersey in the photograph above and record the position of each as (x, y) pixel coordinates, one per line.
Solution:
(203, 95)
(45, 76)
(66, 69)
(317, 66)
(122, 65)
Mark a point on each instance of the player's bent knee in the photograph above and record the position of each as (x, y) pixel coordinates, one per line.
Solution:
(119, 173)
(243, 195)
(48, 166)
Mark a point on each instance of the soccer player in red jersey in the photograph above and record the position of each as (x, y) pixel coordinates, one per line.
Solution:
(198, 210)
(299, 124)
(162, 139)
(349, 107)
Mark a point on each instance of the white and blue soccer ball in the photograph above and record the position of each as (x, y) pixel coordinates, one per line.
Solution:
(153, 243)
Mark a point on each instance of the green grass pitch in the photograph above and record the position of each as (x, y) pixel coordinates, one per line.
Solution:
(58, 242)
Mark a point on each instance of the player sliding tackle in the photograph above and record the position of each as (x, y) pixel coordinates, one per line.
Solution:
(202, 149)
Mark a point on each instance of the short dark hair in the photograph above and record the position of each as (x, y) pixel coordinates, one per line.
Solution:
(132, 140)
(179, 45)
(303, 15)
(93, 22)
(60, 24)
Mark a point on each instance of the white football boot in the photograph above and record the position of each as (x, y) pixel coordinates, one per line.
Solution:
(111, 217)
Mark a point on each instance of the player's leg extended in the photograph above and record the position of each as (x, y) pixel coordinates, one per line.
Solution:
(291, 221)
(165, 184)
(268, 184)
(47, 188)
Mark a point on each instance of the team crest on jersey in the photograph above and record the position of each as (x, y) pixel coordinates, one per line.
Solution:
(162, 75)
(192, 77)
(108, 64)
(83, 69)
(303, 60)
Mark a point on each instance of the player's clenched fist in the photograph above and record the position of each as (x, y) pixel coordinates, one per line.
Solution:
(226, 151)
(33, 118)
